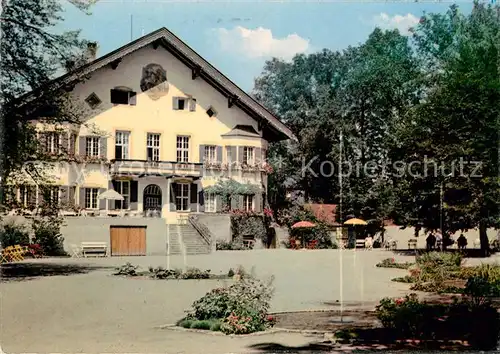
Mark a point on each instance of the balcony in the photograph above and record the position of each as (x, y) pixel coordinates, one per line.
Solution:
(143, 168)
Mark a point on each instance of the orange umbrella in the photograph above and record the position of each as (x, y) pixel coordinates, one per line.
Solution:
(303, 224)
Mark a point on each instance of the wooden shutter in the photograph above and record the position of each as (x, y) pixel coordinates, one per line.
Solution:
(194, 197)
(101, 202)
(71, 196)
(192, 104)
(132, 99)
(201, 201)
(134, 191)
(257, 202)
(103, 148)
(81, 196)
(42, 139)
(258, 155)
(218, 203)
(240, 154)
(82, 145)
(115, 96)
(175, 103)
(71, 145)
(218, 154)
(234, 202)
(65, 143)
(202, 153)
(172, 197)
(64, 192)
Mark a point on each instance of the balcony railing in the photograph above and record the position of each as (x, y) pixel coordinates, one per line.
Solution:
(145, 167)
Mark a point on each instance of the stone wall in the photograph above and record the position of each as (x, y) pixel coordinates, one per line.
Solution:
(218, 224)
(80, 229)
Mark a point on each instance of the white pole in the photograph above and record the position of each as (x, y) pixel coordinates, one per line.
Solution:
(341, 270)
(168, 246)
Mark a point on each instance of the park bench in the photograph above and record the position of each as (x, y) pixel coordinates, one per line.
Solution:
(94, 248)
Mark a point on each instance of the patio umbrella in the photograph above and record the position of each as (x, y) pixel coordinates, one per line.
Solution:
(355, 221)
(110, 194)
(303, 225)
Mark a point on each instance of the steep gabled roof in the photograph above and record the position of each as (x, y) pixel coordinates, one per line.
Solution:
(273, 127)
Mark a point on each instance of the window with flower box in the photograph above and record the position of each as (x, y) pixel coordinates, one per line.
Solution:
(92, 146)
(248, 202)
(91, 198)
(248, 155)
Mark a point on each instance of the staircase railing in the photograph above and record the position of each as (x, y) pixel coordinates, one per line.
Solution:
(202, 229)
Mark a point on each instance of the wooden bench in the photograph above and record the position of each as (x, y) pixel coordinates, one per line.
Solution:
(94, 248)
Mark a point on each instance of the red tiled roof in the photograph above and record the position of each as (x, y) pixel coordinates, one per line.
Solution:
(323, 212)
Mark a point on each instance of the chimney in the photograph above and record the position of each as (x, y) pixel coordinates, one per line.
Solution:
(91, 52)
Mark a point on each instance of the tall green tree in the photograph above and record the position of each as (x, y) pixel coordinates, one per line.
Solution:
(456, 127)
(33, 54)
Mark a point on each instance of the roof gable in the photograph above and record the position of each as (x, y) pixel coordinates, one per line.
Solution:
(273, 128)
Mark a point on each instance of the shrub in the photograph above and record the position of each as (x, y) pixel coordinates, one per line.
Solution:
(162, 273)
(185, 323)
(235, 245)
(195, 273)
(230, 273)
(405, 279)
(126, 269)
(409, 318)
(242, 307)
(47, 234)
(206, 325)
(391, 263)
(13, 234)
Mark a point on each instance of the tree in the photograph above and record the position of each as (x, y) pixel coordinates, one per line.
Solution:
(32, 55)
(456, 125)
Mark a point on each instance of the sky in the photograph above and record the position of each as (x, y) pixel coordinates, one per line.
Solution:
(238, 37)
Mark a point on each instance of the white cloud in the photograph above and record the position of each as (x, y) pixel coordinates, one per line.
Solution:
(260, 43)
(402, 23)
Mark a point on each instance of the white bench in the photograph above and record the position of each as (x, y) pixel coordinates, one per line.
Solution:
(360, 243)
(94, 248)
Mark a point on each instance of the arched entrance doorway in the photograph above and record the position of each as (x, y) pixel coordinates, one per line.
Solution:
(152, 198)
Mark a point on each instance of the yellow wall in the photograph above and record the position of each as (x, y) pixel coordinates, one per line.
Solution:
(158, 116)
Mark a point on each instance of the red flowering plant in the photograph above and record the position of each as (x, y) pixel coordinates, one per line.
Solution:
(267, 168)
(268, 212)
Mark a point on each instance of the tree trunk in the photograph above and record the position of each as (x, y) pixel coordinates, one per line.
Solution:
(483, 238)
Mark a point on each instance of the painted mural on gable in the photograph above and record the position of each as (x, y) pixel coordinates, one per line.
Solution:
(154, 81)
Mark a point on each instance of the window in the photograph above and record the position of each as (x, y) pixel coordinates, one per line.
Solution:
(210, 154)
(122, 187)
(123, 96)
(210, 203)
(52, 143)
(91, 198)
(50, 195)
(248, 155)
(93, 100)
(182, 148)
(229, 154)
(92, 146)
(27, 196)
(153, 147)
(248, 202)
(211, 112)
(121, 145)
(180, 103)
(182, 196)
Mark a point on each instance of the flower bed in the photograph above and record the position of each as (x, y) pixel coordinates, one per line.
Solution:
(241, 308)
(131, 270)
(391, 263)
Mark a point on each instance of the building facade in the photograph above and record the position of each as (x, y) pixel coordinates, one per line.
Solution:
(159, 125)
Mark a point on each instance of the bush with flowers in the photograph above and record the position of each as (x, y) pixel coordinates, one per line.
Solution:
(241, 308)
(465, 319)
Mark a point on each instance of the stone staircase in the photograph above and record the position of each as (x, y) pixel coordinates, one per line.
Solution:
(193, 241)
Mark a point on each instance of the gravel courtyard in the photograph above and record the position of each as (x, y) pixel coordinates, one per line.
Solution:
(93, 311)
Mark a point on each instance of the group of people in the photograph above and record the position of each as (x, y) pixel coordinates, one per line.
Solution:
(432, 240)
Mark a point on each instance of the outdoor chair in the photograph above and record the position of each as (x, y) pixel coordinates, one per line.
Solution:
(76, 251)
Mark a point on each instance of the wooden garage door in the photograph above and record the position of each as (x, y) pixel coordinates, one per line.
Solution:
(128, 240)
